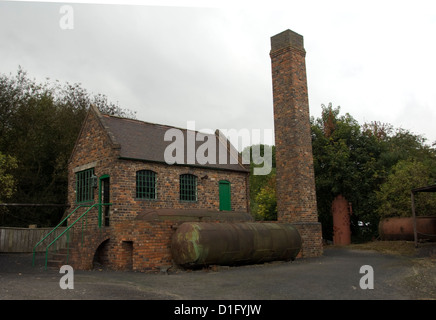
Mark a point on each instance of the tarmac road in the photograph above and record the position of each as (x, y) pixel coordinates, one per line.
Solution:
(335, 275)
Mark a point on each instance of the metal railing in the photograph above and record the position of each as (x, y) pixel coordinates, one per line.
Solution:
(65, 231)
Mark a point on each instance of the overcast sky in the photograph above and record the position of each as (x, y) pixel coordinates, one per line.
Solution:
(208, 61)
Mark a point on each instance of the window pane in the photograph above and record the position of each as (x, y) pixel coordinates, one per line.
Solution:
(188, 187)
(84, 190)
(146, 184)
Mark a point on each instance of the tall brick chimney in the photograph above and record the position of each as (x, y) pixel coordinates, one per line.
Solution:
(296, 195)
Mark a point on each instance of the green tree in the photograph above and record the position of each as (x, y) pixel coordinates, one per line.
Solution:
(262, 184)
(39, 124)
(394, 194)
(7, 181)
(346, 162)
(266, 200)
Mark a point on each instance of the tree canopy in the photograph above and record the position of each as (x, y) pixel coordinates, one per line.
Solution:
(7, 181)
(39, 124)
(394, 193)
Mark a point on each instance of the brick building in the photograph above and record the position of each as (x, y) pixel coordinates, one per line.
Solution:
(120, 163)
(127, 157)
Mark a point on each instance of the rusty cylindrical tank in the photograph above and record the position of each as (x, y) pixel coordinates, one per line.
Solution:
(401, 228)
(341, 211)
(197, 244)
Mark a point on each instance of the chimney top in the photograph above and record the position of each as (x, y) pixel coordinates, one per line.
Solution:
(287, 38)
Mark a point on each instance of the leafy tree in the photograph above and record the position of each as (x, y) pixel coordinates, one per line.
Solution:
(394, 194)
(7, 181)
(39, 124)
(346, 162)
(262, 206)
(266, 200)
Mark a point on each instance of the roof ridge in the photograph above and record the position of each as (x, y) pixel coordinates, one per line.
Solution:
(155, 124)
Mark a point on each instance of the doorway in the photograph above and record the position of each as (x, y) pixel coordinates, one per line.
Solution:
(225, 195)
(127, 255)
(104, 198)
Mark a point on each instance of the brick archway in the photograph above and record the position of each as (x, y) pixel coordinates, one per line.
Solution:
(84, 250)
(101, 254)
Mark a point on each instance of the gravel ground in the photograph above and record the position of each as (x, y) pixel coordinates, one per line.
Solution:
(335, 275)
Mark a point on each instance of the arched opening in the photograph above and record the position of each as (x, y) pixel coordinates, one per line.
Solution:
(101, 255)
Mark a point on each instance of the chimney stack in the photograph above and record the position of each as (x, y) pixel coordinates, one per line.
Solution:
(296, 195)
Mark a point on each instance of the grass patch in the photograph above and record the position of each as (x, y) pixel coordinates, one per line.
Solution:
(404, 248)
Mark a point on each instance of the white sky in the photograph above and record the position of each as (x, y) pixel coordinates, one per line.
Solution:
(208, 61)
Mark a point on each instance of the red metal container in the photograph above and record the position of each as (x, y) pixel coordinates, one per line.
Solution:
(401, 228)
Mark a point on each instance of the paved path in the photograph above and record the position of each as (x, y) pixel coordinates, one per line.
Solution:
(333, 276)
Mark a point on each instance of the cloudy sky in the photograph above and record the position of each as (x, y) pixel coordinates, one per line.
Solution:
(208, 61)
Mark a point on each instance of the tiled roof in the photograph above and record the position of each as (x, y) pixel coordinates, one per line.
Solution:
(141, 140)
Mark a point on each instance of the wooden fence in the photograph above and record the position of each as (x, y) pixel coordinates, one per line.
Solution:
(24, 239)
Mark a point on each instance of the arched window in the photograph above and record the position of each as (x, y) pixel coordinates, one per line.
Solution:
(146, 184)
(188, 187)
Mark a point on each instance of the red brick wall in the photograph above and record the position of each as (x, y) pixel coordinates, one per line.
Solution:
(123, 190)
(83, 246)
(151, 244)
(311, 236)
(93, 149)
(129, 245)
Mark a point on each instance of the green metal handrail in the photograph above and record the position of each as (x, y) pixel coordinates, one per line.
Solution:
(55, 228)
(68, 228)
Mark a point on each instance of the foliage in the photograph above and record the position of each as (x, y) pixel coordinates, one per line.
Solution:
(373, 165)
(7, 181)
(39, 124)
(262, 187)
(346, 162)
(266, 200)
(394, 194)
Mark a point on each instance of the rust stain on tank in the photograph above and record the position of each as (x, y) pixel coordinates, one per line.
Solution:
(197, 244)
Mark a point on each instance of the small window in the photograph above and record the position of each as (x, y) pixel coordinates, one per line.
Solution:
(188, 187)
(84, 185)
(145, 184)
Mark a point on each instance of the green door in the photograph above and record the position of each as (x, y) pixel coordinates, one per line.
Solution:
(224, 194)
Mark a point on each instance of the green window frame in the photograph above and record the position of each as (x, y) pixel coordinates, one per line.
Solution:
(84, 186)
(146, 184)
(188, 187)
